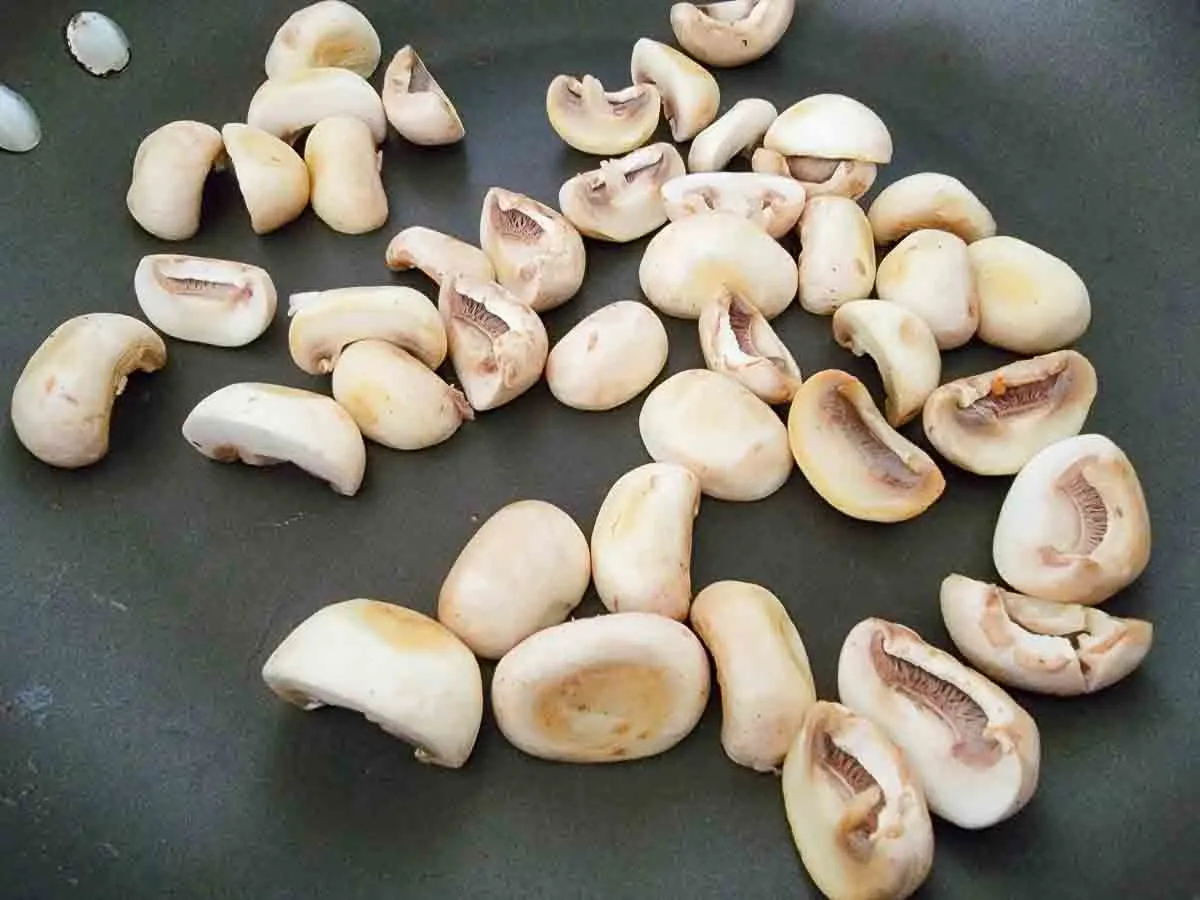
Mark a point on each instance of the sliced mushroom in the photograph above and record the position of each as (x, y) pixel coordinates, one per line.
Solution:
(63, 400)
(739, 131)
(690, 95)
(732, 32)
(1038, 645)
(607, 689)
(830, 128)
(20, 130)
(738, 341)
(438, 255)
(929, 200)
(762, 667)
(329, 33)
(593, 120)
(929, 272)
(97, 43)
(537, 253)
(620, 201)
(402, 670)
(852, 458)
(769, 201)
(416, 105)
(837, 254)
(266, 424)
(975, 751)
(856, 812)
(271, 175)
(1074, 527)
(286, 107)
(849, 178)
(169, 170)
(347, 190)
(994, 423)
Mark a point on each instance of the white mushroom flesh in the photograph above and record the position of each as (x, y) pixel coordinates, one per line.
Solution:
(97, 43)
(837, 254)
(737, 340)
(830, 127)
(929, 200)
(739, 131)
(271, 176)
(169, 171)
(20, 130)
(620, 201)
(416, 105)
(929, 273)
(690, 95)
(593, 120)
(731, 32)
(440, 256)
(772, 202)
(327, 34)
(537, 253)
(343, 165)
(289, 105)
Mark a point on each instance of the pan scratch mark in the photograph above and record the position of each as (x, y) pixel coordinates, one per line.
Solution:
(283, 523)
(264, 631)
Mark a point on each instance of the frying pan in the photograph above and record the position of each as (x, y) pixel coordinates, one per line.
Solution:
(141, 755)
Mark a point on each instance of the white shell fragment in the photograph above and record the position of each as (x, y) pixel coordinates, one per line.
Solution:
(929, 200)
(169, 170)
(819, 177)
(739, 131)
(731, 32)
(343, 165)
(63, 400)
(607, 689)
(769, 201)
(738, 341)
(837, 254)
(605, 123)
(20, 130)
(929, 273)
(537, 253)
(620, 201)
(271, 175)
(402, 670)
(327, 34)
(287, 106)
(416, 105)
(440, 256)
(690, 95)
(830, 127)
(97, 43)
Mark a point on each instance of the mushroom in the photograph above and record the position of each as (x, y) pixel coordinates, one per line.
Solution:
(289, 105)
(607, 689)
(929, 273)
(525, 569)
(620, 201)
(402, 670)
(850, 178)
(738, 341)
(438, 255)
(63, 399)
(732, 32)
(903, 348)
(416, 105)
(714, 426)
(699, 259)
(97, 43)
(210, 301)
(739, 130)
(538, 254)
(266, 424)
(326, 34)
(1074, 527)
(20, 130)
(762, 668)
(593, 120)
(642, 541)
(993, 423)
(1065, 649)
(852, 458)
(769, 201)
(856, 813)
(690, 95)
(837, 254)
(169, 170)
(929, 200)
(347, 191)
(975, 751)
(271, 175)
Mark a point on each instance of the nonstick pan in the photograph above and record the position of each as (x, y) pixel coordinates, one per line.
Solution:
(141, 754)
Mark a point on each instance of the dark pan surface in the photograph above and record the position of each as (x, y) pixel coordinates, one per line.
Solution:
(140, 754)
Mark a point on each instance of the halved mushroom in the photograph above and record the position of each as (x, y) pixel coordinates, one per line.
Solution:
(440, 256)
(732, 32)
(837, 254)
(830, 127)
(329, 33)
(416, 105)
(929, 200)
(850, 178)
(929, 272)
(856, 813)
(607, 689)
(853, 458)
(63, 400)
(266, 424)
(901, 345)
(286, 107)
(20, 129)
(169, 170)
(690, 95)
(993, 423)
(737, 340)
(347, 190)
(402, 670)
(769, 201)
(537, 253)
(1074, 527)
(620, 201)
(975, 751)
(1039, 645)
(740, 130)
(593, 120)
(271, 175)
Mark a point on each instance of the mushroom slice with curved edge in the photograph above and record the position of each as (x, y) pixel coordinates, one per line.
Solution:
(287, 106)
(855, 810)
(395, 399)
(1065, 649)
(852, 458)
(325, 322)
(929, 272)
(620, 201)
(837, 254)
(328, 34)
(498, 345)
(903, 348)
(20, 130)
(830, 128)
(739, 130)
(699, 259)
(537, 253)
(97, 43)
(271, 175)
(595, 121)
(63, 400)
(416, 105)
(738, 341)
(642, 541)
(1074, 527)
(525, 569)
(690, 95)
(402, 670)
(606, 689)
(169, 170)
(440, 256)
(929, 200)
(762, 668)
(347, 190)
(732, 32)
(850, 178)
(769, 201)
(975, 751)
(716, 427)
(209, 301)
(266, 424)
(994, 423)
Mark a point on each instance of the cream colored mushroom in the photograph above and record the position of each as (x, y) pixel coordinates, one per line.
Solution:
(271, 176)
(416, 105)
(593, 120)
(769, 201)
(347, 190)
(837, 254)
(169, 170)
(739, 131)
(287, 106)
(690, 95)
(850, 178)
(440, 256)
(929, 200)
(929, 273)
(738, 341)
(620, 201)
(732, 32)
(329, 33)
(830, 127)
(63, 399)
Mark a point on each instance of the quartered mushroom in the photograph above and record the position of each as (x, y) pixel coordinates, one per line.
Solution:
(343, 165)
(169, 170)
(929, 272)
(690, 95)
(606, 123)
(837, 254)
(20, 130)
(769, 201)
(416, 105)
(1036, 645)
(289, 105)
(993, 423)
(271, 176)
(440, 256)
(850, 455)
(975, 751)
(97, 43)
(739, 131)
(327, 34)
(266, 424)
(929, 200)
(402, 670)
(731, 32)
(63, 399)
(738, 341)
(850, 178)
(856, 812)
(620, 201)
(1074, 527)
(606, 689)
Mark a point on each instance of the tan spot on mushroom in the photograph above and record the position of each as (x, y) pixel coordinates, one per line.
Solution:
(405, 629)
(593, 709)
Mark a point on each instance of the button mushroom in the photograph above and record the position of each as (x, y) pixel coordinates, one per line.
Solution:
(20, 130)
(271, 176)
(929, 272)
(690, 95)
(769, 201)
(169, 170)
(849, 178)
(620, 201)
(326, 34)
(288, 106)
(440, 256)
(593, 120)
(347, 190)
(416, 105)
(732, 32)
(929, 200)
(737, 340)
(837, 254)
(739, 130)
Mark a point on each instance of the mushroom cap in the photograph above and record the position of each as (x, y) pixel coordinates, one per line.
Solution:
(739, 130)
(287, 106)
(271, 176)
(690, 95)
(593, 120)
(416, 105)
(929, 200)
(20, 130)
(837, 254)
(830, 126)
(738, 341)
(326, 34)
(772, 202)
(929, 272)
(344, 169)
(169, 170)
(732, 32)
(620, 201)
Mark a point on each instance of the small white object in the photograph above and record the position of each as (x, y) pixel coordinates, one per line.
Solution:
(97, 43)
(20, 130)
